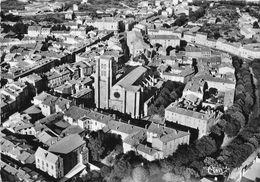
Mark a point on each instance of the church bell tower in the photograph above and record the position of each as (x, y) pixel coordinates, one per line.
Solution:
(104, 79)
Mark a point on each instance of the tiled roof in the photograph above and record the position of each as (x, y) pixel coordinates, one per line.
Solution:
(34, 28)
(132, 77)
(51, 118)
(209, 78)
(82, 92)
(11, 170)
(33, 110)
(123, 127)
(148, 150)
(97, 116)
(62, 102)
(195, 85)
(173, 136)
(23, 126)
(42, 96)
(159, 129)
(62, 124)
(72, 129)
(76, 112)
(62, 146)
(189, 113)
(2, 164)
(46, 155)
(155, 119)
(46, 136)
(164, 37)
(24, 155)
(135, 138)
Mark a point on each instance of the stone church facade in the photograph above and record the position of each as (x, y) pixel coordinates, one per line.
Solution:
(125, 94)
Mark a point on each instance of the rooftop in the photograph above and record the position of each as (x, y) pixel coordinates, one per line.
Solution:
(46, 155)
(97, 116)
(132, 77)
(123, 127)
(82, 92)
(76, 112)
(166, 37)
(195, 85)
(62, 147)
(189, 113)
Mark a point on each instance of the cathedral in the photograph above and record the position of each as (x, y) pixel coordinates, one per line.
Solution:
(126, 94)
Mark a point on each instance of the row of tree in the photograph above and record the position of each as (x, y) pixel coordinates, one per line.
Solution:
(171, 91)
(18, 28)
(255, 65)
(234, 122)
(194, 160)
(195, 15)
(101, 144)
(187, 160)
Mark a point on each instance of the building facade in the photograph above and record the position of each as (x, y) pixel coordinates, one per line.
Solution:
(126, 95)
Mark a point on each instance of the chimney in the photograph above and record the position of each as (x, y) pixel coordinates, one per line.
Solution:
(129, 121)
(216, 179)
(146, 126)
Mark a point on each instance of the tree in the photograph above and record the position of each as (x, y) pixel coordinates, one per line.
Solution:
(197, 165)
(153, 168)
(216, 35)
(96, 148)
(122, 168)
(240, 89)
(91, 176)
(206, 145)
(232, 128)
(170, 177)
(139, 174)
(127, 179)
(189, 172)
(239, 117)
(216, 129)
(256, 25)
(161, 111)
(119, 149)
(152, 110)
(174, 95)
(249, 101)
(105, 171)
(166, 165)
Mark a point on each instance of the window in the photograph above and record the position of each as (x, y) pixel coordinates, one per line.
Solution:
(116, 95)
(42, 162)
(46, 164)
(38, 160)
(51, 166)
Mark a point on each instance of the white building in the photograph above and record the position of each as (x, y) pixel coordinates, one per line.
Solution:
(104, 24)
(165, 40)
